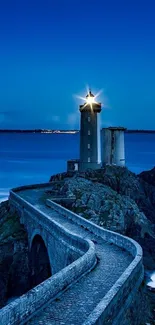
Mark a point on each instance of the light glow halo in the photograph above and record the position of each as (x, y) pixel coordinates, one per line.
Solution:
(90, 99)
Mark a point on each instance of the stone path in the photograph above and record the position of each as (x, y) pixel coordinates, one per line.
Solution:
(75, 304)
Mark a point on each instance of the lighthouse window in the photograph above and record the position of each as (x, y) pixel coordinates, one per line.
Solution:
(88, 159)
(88, 118)
(88, 132)
(88, 145)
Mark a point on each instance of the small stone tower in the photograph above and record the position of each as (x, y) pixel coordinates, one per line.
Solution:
(90, 134)
(112, 146)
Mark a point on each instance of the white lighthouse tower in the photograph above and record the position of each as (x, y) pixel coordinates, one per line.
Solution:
(90, 134)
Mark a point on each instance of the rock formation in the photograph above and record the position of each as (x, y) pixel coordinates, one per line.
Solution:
(119, 200)
(116, 199)
(14, 268)
(148, 176)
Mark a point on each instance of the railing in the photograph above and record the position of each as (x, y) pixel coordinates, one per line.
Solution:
(41, 218)
(22, 308)
(109, 310)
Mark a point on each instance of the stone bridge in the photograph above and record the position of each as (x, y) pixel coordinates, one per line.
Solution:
(94, 273)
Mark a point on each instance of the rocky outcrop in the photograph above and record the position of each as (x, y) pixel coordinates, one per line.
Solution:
(139, 312)
(119, 200)
(148, 176)
(14, 265)
(115, 198)
(140, 188)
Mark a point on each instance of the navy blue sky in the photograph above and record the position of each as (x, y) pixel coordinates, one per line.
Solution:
(50, 50)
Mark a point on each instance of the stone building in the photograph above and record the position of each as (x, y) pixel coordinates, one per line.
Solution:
(112, 146)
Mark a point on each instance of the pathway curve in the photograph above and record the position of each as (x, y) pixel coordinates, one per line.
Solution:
(75, 304)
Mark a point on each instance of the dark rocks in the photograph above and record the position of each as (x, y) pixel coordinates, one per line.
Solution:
(61, 176)
(4, 280)
(139, 312)
(148, 176)
(19, 275)
(117, 199)
(127, 183)
(14, 265)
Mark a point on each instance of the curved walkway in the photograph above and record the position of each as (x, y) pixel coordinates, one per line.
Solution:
(75, 304)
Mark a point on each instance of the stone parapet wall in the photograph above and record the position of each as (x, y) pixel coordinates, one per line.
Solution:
(55, 229)
(117, 239)
(113, 306)
(33, 186)
(22, 308)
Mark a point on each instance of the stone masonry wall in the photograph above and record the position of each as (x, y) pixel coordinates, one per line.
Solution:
(113, 305)
(61, 245)
(20, 309)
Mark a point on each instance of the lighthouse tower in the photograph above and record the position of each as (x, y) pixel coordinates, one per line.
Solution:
(90, 134)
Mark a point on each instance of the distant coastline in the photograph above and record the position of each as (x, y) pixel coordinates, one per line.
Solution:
(39, 131)
(140, 131)
(64, 131)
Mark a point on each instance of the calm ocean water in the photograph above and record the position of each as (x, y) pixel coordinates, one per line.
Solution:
(33, 158)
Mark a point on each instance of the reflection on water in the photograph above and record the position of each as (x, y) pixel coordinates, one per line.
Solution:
(151, 283)
(4, 192)
(4, 198)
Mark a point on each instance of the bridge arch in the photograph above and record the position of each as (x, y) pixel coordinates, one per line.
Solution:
(40, 267)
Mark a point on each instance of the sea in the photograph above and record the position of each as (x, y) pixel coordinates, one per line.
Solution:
(30, 158)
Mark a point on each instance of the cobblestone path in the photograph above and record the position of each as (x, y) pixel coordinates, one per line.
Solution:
(75, 304)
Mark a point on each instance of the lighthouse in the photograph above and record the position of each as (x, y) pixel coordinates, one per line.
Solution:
(96, 151)
(90, 147)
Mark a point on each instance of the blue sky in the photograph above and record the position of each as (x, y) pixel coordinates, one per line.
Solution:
(51, 50)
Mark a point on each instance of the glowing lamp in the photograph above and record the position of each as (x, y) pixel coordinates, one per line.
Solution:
(90, 98)
(90, 103)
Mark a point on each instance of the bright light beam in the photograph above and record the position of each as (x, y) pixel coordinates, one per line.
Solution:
(89, 100)
(99, 93)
